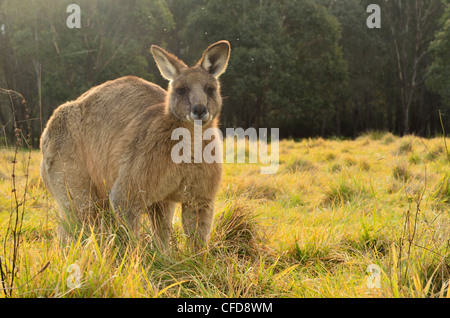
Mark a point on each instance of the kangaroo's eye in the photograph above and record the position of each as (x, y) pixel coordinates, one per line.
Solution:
(210, 90)
(181, 91)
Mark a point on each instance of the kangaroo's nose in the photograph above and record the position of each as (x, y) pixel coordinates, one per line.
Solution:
(199, 110)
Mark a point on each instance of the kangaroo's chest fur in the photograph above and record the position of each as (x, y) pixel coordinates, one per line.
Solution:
(149, 157)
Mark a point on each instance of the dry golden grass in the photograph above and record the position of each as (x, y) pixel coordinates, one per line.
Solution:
(312, 230)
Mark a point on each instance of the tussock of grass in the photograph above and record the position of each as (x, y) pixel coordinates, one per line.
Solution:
(252, 189)
(349, 160)
(405, 147)
(301, 165)
(345, 191)
(375, 135)
(330, 156)
(369, 241)
(317, 255)
(401, 172)
(387, 139)
(435, 153)
(414, 158)
(336, 167)
(364, 164)
(442, 189)
(236, 229)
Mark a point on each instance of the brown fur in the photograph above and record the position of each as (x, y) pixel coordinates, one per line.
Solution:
(113, 144)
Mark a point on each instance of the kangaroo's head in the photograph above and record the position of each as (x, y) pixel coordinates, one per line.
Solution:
(194, 92)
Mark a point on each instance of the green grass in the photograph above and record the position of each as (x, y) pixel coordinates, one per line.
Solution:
(311, 230)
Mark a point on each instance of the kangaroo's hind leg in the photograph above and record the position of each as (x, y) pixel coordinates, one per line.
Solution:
(69, 183)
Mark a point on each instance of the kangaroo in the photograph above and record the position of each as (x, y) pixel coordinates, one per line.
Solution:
(112, 147)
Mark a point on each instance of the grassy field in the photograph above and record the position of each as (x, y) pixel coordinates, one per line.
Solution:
(334, 211)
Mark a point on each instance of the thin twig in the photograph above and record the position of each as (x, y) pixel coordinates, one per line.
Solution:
(443, 131)
(39, 272)
(9, 270)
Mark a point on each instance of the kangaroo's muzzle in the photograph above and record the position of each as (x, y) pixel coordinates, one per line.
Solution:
(200, 112)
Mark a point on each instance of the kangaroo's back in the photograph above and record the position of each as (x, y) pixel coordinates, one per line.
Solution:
(107, 111)
(92, 126)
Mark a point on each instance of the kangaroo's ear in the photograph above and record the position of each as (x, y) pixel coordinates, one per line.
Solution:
(169, 65)
(215, 58)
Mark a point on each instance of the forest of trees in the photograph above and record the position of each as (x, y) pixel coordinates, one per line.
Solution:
(308, 67)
